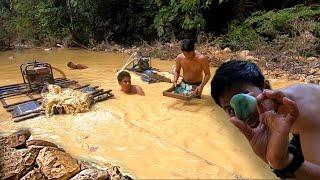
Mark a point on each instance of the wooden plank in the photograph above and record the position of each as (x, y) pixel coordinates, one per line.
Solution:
(4, 103)
(13, 104)
(16, 94)
(18, 119)
(30, 96)
(12, 85)
(28, 112)
(80, 87)
(96, 92)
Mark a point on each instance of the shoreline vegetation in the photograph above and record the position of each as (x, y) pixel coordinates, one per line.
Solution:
(284, 42)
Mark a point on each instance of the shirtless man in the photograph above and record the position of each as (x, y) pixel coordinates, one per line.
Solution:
(76, 66)
(294, 109)
(124, 80)
(193, 64)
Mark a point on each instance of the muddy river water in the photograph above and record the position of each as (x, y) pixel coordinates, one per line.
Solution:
(148, 137)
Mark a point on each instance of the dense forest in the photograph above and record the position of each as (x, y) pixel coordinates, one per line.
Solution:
(90, 22)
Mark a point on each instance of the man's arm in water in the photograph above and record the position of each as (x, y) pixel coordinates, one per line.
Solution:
(207, 74)
(206, 69)
(177, 71)
(139, 90)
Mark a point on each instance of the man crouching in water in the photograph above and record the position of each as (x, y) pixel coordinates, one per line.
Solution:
(73, 65)
(193, 64)
(124, 80)
(294, 109)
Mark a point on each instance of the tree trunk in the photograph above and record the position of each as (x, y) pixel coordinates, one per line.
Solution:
(72, 29)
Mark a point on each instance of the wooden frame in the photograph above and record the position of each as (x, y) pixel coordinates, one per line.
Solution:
(97, 95)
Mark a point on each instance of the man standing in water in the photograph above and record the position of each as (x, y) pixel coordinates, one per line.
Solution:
(194, 65)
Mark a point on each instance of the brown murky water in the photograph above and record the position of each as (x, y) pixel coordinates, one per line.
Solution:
(148, 137)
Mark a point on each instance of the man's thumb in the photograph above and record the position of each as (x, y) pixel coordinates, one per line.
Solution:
(243, 127)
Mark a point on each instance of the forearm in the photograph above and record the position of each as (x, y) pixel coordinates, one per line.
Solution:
(176, 76)
(308, 170)
(205, 80)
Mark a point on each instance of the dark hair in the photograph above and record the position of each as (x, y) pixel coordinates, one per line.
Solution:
(235, 73)
(122, 75)
(187, 45)
(69, 63)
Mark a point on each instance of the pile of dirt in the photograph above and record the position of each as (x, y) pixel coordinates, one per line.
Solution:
(26, 159)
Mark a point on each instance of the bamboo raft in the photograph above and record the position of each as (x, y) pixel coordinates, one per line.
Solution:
(30, 108)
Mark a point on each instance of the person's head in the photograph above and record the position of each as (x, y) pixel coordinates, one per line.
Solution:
(124, 80)
(70, 64)
(187, 48)
(234, 77)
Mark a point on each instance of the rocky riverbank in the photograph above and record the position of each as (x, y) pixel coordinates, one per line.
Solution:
(24, 158)
(275, 64)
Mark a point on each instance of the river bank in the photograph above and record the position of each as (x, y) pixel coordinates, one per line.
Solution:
(275, 64)
(25, 158)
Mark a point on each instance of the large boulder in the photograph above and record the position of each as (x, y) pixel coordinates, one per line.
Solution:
(12, 163)
(55, 164)
(40, 143)
(16, 140)
(30, 155)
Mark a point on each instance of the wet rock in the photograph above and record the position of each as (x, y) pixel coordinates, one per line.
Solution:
(228, 50)
(115, 174)
(312, 79)
(85, 165)
(16, 140)
(40, 143)
(91, 174)
(34, 174)
(312, 59)
(55, 164)
(12, 164)
(242, 54)
(30, 155)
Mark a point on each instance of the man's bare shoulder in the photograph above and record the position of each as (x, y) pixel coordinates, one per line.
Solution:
(202, 57)
(180, 57)
(302, 91)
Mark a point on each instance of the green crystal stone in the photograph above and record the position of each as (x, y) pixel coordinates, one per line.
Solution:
(243, 105)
